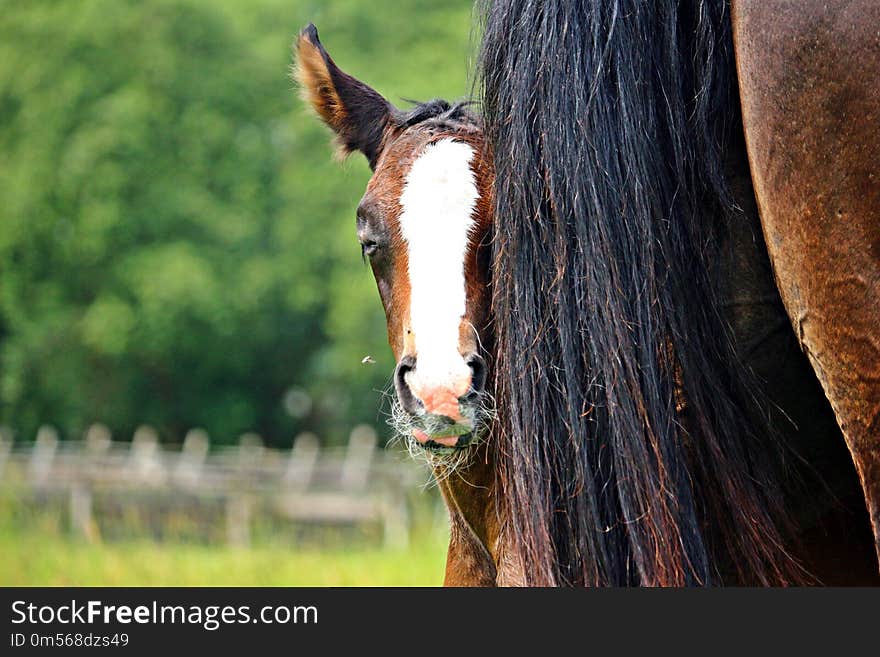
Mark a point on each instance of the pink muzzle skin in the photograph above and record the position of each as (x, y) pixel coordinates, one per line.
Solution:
(442, 401)
(447, 441)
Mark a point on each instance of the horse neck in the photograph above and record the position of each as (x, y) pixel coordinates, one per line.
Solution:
(475, 527)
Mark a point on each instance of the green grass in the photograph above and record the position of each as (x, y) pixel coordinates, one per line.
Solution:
(37, 548)
(35, 558)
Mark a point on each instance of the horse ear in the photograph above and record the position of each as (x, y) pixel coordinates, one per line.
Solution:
(357, 113)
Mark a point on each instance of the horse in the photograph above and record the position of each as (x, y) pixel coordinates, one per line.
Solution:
(424, 227)
(629, 445)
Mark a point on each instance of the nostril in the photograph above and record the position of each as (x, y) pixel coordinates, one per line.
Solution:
(404, 395)
(478, 376)
(406, 364)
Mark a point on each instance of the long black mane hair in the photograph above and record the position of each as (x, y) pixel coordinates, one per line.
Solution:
(629, 450)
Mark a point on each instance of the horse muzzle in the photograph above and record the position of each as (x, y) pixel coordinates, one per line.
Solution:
(456, 436)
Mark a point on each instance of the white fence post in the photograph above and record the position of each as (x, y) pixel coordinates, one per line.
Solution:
(396, 522)
(301, 464)
(238, 519)
(358, 458)
(97, 441)
(239, 503)
(43, 454)
(192, 458)
(81, 519)
(144, 456)
(6, 439)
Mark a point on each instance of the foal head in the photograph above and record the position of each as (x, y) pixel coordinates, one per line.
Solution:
(423, 224)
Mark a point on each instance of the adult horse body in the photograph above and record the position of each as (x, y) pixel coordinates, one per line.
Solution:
(632, 297)
(811, 112)
(620, 186)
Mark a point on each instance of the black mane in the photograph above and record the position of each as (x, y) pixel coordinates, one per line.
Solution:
(440, 114)
(609, 122)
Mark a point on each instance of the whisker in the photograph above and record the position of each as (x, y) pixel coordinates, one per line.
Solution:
(443, 462)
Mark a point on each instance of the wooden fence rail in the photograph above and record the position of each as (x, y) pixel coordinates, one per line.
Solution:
(355, 484)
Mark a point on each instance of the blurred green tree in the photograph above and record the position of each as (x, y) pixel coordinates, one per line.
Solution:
(176, 245)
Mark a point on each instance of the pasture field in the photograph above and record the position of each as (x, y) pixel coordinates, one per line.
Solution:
(35, 558)
(37, 548)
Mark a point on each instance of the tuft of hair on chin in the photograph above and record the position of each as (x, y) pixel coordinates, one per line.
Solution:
(444, 462)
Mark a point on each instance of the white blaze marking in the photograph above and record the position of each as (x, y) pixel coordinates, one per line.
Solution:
(438, 202)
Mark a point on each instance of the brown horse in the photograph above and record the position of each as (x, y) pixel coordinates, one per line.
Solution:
(426, 224)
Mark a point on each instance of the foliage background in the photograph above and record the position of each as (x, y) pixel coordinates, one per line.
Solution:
(176, 242)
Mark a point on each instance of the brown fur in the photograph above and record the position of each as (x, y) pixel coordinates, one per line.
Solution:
(469, 493)
(356, 113)
(815, 170)
(474, 526)
(316, 88)
(808, 74)
(314, 80)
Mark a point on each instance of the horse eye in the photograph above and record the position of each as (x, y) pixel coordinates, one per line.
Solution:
(368, 248)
